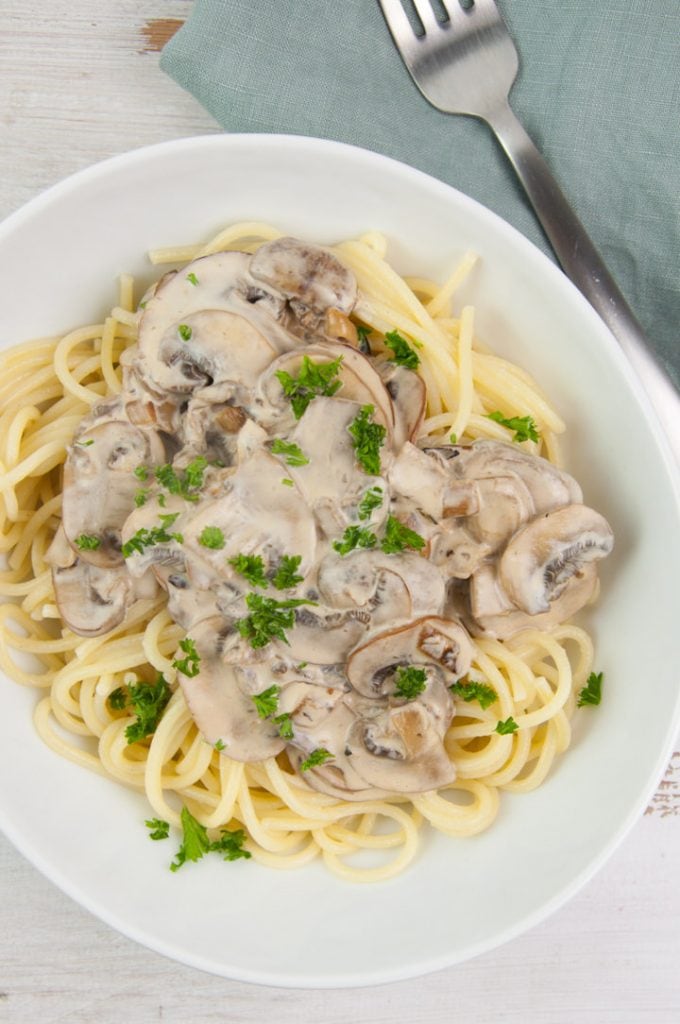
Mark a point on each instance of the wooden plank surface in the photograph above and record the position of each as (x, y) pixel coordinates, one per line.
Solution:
(79, 81)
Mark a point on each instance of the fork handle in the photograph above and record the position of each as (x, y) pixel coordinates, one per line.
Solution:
(582, 263)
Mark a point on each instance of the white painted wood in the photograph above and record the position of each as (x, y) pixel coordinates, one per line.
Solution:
(76, 86)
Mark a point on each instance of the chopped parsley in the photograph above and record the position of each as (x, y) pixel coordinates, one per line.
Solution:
(312, 380)
(85, 444)
(141, 497)
(399, 537)
(196, 843)
(147, 701)
(184, 332)
(148, 538)
(372, 499)
(86, 542)
(591, 694)
(287, 482)
(188, 666)
(286, 575)
(293, 453)
(355, 537)
(251, 567)
(317, 757)
(453, 438)
(268, 619)
(212, 537)
(367, 439)
(141, 472)
(219, 745)
(192, 278)
(285, 724)
(507, 727)
(362, 338)
(186, 483)
(409, 682)
(267, 702)
(524, 426)
(469, 691)
(404, 355)
(159, 829)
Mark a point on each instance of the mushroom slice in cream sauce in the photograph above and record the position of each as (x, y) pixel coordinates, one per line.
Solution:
(270, 530)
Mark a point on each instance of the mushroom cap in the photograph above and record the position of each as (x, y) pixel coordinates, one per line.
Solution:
(407, 587)
(100, 485)
(308, 274)
(91, 600)
(431, 642)
(541, 559)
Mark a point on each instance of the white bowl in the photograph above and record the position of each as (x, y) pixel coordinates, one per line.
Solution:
(59, 257)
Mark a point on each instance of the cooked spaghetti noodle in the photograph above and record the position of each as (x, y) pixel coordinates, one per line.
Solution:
(50, 384)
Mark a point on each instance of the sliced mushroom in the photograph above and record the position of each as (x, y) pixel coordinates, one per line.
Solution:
(310, 277)
(426, 481)
(407, 391)
(431, 642)
(493, 614)
(91, 600)
(326, 636)
(218, 705)
(100, 486)
(543, 557)
(392, 589)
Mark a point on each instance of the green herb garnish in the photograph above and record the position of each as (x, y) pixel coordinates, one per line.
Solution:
(287, 482)
(86, 542)
(312, 380)
(524, 426)
(286, 575)
(147, 701)
(483, 694)
(409, 682)
(267, 702)
(141, 497)
(85, 444)
(192, 278)
(507, 727)
(399, 537)
(372, 499)
(184, 332)
(285, 724)
(159, 829)
(268, 619)
(185, 484)
(404, 355)
(591, 694)
(367, 439)
(188, 666)
(355, 537)
(251, 567)
(294, 454)
(148, 538)
(141, 472)
(195, 842)
(212, 537)
(317, 757)
(219, 745)
(453, 438)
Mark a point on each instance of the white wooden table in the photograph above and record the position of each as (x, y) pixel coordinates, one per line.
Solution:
(79, 81)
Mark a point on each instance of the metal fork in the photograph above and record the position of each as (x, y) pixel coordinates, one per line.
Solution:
(465, 62)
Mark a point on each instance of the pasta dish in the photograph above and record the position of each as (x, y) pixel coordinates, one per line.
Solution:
(291, 551)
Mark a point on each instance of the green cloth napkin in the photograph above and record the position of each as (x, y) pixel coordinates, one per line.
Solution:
(598, 91)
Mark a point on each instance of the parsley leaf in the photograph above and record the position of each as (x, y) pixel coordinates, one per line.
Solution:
(267, 702)
(507, 727)
(86, 542)
(453, 438)
(410, 681)
(141, 497)
(294, 454)
(159, 829)
(372, 499)
(285, 724)
(524, 426)
(355, 537)
(483, 694)
(317, 757)
(192, 278)
(141, 472)
(212, 537)
(188, 666)
(268, 619)
(85, 444)
(185, 484)
(287, 482)
(368, 439)
(148, 701)
(196, 843)
(251, 567)
(398, 537)
(404, 355)
(219, 745)
(148, 538)
(184, 332)
(286, 575)
(118, 698)
(313, 379)
(591, 694)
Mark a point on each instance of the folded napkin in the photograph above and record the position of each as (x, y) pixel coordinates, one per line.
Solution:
(598, 90)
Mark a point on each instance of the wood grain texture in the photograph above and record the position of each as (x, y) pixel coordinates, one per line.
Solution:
(79, 81)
